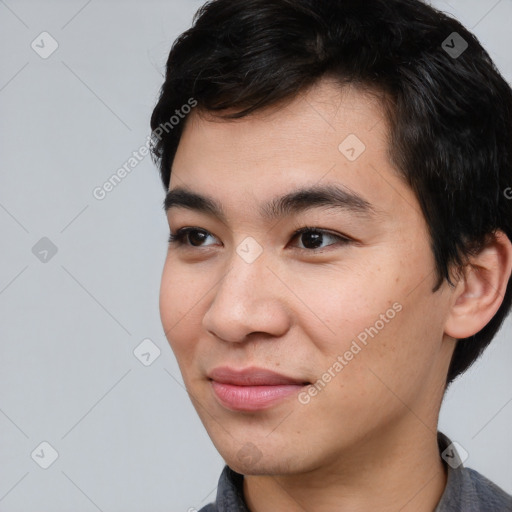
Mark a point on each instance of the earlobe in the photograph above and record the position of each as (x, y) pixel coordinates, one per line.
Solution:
(480, 290)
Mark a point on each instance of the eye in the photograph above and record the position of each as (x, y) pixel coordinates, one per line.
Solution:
(195, 235)
(312, 238)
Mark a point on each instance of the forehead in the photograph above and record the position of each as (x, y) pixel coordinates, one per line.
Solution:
(328, 134)
(318, 117)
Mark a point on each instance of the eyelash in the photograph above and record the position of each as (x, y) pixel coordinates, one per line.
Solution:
(180, 235)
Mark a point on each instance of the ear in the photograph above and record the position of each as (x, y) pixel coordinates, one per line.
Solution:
(480, 292)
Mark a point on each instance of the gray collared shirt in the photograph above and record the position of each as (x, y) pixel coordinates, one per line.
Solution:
(466, 489)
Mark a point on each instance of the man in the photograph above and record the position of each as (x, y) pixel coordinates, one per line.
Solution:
(340, 246)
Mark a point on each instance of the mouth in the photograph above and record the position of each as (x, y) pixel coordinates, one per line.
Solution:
(252, 389)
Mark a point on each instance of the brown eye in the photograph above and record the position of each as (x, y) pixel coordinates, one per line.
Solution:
(195, 236)
(312, 238)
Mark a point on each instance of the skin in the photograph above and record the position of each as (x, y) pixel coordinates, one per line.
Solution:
(367, 441)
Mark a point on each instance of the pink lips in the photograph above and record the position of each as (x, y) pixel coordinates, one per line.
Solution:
(251, 389)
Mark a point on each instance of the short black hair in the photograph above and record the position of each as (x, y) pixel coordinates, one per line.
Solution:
(449, 109)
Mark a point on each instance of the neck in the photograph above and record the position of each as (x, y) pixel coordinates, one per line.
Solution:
(400, 470)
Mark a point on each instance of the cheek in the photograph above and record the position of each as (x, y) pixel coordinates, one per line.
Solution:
(180, 303)
(382, 317)
(400, 349)
(377, 376)
(343, 303)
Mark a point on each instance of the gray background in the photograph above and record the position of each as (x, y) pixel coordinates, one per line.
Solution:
(127, 437)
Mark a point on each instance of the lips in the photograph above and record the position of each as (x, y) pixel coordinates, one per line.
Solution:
(252, 389)
(252, 377)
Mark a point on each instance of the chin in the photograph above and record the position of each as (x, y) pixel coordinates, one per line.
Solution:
(250, 460)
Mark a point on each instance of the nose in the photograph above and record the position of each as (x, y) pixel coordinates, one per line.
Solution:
(248, 299)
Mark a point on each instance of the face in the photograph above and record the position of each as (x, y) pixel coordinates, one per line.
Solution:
(345, 309)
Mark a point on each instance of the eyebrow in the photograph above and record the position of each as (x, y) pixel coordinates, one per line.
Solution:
(294, 202)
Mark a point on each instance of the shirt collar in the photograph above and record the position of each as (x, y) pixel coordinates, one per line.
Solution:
(459, 484)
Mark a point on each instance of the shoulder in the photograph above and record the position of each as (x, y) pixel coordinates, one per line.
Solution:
(209, 508)
(469, 491)
(488, 494)
(466, 489)
(230, 496)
